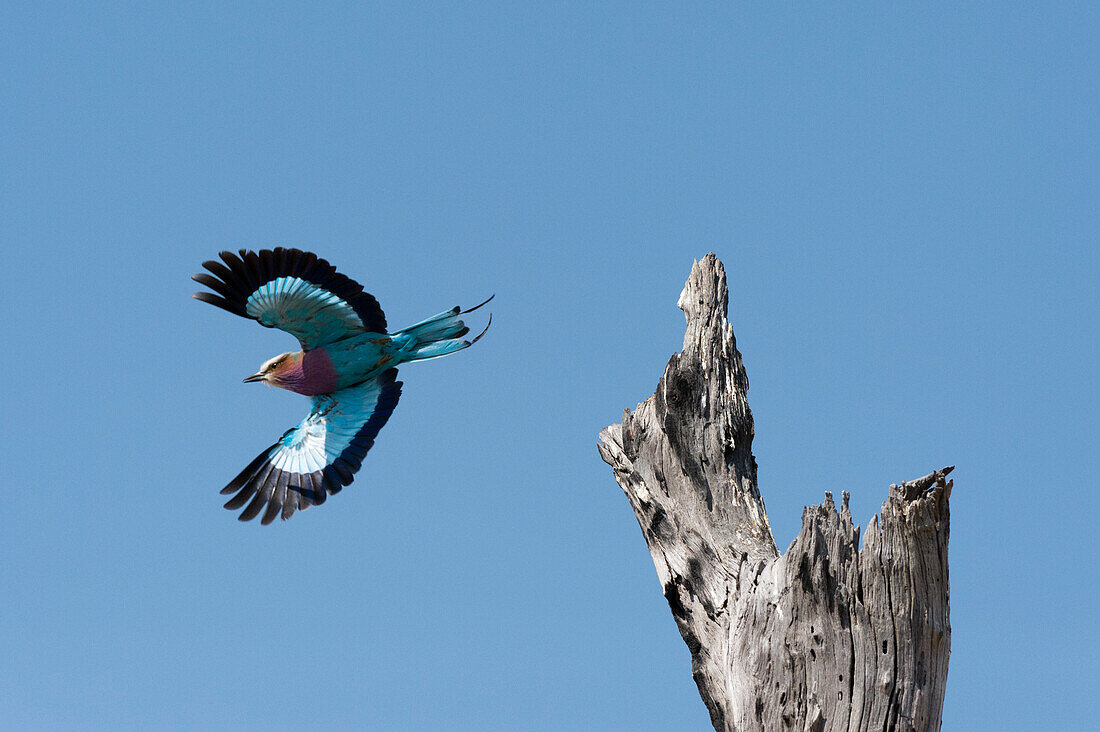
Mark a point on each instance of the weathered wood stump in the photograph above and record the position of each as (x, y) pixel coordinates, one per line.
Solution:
(828, 636)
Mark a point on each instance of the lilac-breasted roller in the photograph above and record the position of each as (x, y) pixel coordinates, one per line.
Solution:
(347, 364)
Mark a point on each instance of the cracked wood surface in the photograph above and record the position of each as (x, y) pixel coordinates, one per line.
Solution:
(826, 637)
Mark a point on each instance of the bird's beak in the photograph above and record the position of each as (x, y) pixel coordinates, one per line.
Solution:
(254, 377)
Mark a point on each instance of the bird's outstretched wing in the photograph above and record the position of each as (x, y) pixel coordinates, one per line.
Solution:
(294, 291)
(320, 455)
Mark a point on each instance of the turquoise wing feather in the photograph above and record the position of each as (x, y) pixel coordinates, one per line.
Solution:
(320, 455)
(294, 291)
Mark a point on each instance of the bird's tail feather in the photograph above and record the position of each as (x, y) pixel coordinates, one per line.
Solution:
(438, 335)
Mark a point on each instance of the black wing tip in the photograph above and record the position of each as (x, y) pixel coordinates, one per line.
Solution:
(231, 260)
(275, 493)
(220, 302)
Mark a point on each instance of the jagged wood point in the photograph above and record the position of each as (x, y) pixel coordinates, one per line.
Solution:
(828, 636)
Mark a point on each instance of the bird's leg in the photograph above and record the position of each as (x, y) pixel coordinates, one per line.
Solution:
(325, 404)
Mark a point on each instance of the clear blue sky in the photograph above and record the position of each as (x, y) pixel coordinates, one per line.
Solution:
(906, 202)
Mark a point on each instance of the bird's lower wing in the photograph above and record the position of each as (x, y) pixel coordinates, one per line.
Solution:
(319, 456)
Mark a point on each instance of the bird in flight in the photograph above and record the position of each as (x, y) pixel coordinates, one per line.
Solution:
(347, 365)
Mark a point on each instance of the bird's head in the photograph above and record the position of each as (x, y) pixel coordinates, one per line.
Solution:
(274, 369)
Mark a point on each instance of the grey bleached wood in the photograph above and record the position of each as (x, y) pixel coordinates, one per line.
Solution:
(826, 637)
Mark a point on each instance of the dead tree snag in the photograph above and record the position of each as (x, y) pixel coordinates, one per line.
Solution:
(828, 636)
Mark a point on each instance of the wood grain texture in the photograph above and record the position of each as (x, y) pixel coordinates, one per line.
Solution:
(828, 636)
